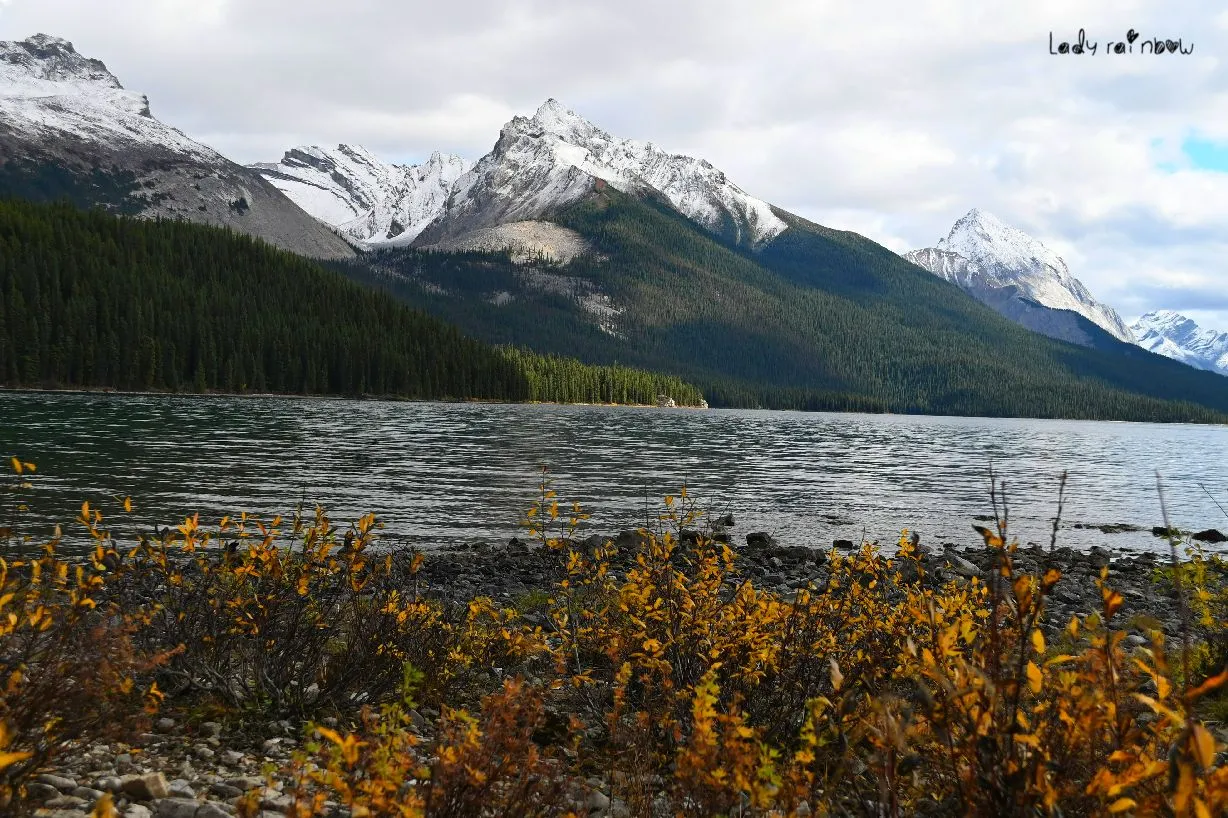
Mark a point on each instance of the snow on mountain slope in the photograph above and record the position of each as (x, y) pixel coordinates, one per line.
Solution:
(371, 202)
(981, 255)
(1171, 334)
(65, 117)
(555, 157)
(47, 89)
(538, 165)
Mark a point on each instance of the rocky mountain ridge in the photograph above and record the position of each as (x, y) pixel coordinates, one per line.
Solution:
(1019, 277)
(539, 165)
(1175, 336)
(68, 127)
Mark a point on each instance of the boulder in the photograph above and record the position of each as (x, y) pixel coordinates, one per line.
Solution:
(146, 787)
(1098, 556)
(177, 808)
(760, 539)
(965, 568)
(60, 782)
(631, 538)
(1211, 535)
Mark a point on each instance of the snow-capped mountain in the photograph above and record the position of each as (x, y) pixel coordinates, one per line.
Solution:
(538, 165)
(1001, 265)
(367, 200)
(65, 116)
(1172, 335)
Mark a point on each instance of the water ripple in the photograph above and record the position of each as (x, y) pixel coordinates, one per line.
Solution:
(443, 473)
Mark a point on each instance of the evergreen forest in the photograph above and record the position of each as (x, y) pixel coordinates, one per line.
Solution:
(91, 300)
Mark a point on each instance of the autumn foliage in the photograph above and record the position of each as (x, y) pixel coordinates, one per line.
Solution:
(662, 682)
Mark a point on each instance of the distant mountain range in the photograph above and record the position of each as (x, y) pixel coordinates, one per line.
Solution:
(1173, 335)
(566, 239)
(539, 165)
(368, 201)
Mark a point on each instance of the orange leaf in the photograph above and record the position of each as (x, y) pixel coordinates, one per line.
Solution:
(1038, 642)
(1215, 681)
(1123, 804)
(9, 759)
(1034, 677)
(991, 539)
(1204, 746)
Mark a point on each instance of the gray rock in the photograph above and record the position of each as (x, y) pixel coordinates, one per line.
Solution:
(87, 793)
(177, 808)
(211, 729)
(109, 783)
(164, 725)
(598, 802)
(181, 789)
(38, 791)
(223, 790)
(60, 782)
(274, 800)
(137, 811)
(210, 809)
(67, 802)
(232, 757)
(760, 539)
(961, 566)
(245, 782)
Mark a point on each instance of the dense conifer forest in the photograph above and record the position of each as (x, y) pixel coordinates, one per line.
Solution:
(817, 320)
(92, 300)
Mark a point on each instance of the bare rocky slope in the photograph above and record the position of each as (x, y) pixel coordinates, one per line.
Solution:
(68, 128)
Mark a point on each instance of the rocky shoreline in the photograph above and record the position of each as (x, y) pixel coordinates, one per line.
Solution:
(183, 771)
(507, 572)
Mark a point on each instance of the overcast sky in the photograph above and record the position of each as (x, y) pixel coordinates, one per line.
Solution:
(891, 118)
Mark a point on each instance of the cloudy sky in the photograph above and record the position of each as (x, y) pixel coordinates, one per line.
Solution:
(888, 117)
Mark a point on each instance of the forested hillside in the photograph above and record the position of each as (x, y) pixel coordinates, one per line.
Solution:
(819, 319)
(92, 300)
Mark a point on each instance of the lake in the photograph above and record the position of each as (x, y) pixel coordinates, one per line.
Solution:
(439, 474)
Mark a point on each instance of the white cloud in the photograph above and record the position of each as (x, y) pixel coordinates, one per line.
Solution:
(891, 118)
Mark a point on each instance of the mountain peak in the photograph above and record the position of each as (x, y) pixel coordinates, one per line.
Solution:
(556, 119)
(49, 58)
(976, 216)
(984, 255)
(49, 41)
(552, 107)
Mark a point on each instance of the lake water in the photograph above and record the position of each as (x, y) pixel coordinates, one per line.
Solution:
(439, 474)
